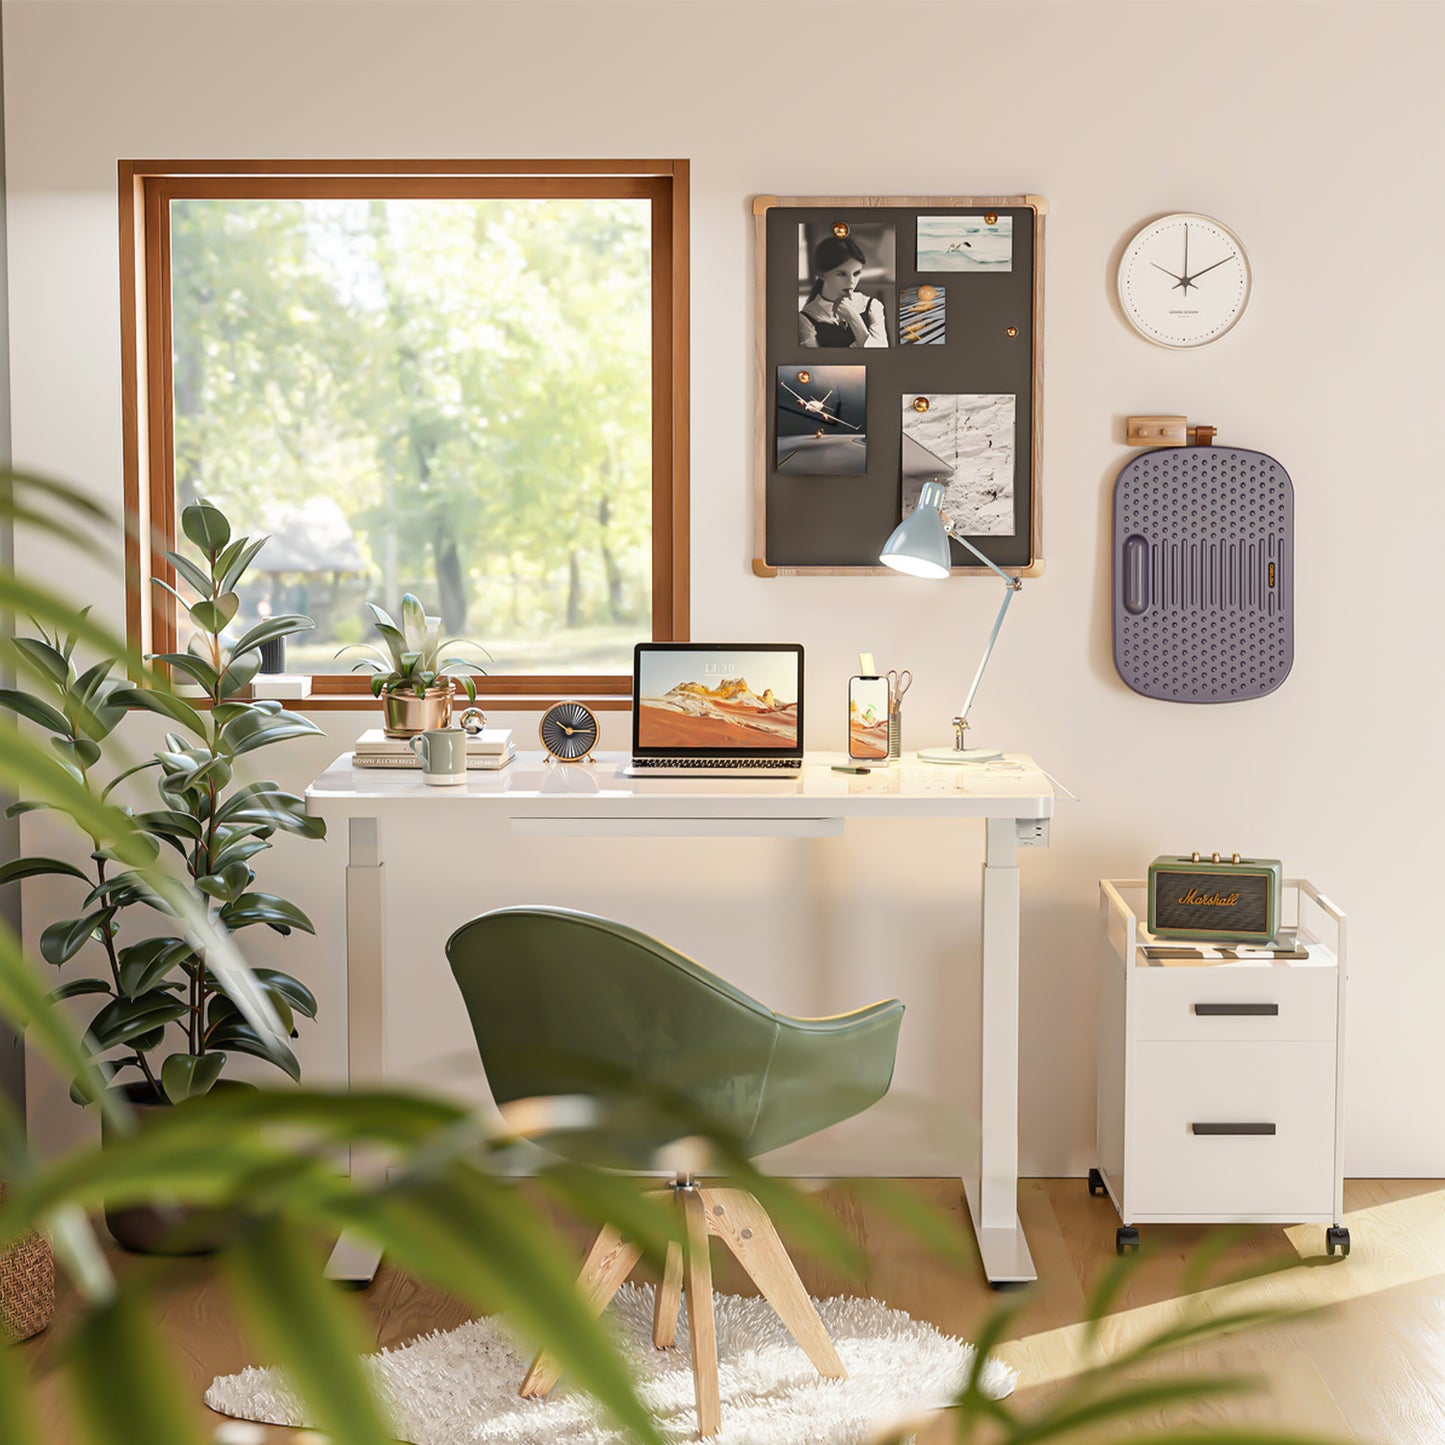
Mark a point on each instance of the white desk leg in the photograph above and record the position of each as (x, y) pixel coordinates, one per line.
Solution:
(354, 1260)
(991, 1184)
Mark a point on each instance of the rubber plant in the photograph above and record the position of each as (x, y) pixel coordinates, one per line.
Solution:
(162, 1010)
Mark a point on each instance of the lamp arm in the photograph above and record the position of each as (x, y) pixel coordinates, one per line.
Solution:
(1011, 585)
(987, 562)
(1008, 597)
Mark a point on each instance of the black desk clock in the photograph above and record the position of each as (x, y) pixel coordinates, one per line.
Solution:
(569, 732)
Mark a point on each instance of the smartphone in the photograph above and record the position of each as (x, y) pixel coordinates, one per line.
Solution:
(868, 717)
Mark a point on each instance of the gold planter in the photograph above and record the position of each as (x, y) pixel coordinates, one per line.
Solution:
(406, 715)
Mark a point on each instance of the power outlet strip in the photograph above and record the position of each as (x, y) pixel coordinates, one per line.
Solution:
(1032, 832)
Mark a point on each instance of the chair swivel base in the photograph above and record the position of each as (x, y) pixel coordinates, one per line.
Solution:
(736, 1218)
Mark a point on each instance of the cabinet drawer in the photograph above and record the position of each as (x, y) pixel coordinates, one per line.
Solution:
(1234, 1002)
(1231, 1128)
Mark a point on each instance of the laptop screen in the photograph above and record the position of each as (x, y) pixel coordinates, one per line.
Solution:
(727, 700)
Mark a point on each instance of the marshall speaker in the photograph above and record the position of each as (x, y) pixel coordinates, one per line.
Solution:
(1214, 901)
(1203, 574)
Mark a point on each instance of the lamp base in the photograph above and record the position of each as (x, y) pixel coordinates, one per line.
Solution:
(955, 755)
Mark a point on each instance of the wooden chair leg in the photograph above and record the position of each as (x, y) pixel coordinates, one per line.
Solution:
(702, 1328)
(609, 1262)
(669, 1297)
(743, 1225)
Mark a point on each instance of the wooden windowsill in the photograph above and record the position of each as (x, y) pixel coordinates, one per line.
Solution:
(364, 702)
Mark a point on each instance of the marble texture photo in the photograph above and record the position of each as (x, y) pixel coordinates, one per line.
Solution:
(967, 443)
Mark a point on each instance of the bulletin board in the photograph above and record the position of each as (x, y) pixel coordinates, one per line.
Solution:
(898, 339)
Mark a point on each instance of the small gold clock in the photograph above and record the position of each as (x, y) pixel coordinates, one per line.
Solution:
(569, 732)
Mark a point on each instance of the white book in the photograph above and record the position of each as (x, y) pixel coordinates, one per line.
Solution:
(375, 743)
(476, 762)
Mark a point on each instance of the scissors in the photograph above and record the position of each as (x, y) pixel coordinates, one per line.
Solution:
(898, 684)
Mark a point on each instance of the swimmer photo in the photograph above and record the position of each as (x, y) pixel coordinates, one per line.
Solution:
(846, 284)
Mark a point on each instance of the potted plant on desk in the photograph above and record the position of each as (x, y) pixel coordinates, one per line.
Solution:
(152, 990)
(412, 678)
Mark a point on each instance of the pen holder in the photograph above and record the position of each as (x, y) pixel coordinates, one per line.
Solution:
(895, 734)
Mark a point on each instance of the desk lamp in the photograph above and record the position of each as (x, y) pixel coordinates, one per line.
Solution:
(919, 547)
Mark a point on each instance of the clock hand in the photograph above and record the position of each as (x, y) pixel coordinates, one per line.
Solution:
(1158, 267)
(1186, 278)
(1198, 274)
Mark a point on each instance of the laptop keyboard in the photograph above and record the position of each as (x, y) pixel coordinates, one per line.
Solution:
(715, 765)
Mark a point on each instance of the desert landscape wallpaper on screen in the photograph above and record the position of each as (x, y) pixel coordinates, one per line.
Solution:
(724, 699)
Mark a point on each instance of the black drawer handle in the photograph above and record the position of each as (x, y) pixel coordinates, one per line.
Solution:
(1231, 1129)
(1236, 1010)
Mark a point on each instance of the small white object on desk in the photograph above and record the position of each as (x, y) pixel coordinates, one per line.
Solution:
(286, 686)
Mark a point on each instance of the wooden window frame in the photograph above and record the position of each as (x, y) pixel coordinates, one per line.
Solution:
(145, 190)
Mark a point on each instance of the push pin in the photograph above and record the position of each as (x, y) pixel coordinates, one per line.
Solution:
(991, 217)
(1011, 331)
(927, 293)
(805, 377)
(840, 229)
(920, 403)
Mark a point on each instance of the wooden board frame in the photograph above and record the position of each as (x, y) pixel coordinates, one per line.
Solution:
(762, 566)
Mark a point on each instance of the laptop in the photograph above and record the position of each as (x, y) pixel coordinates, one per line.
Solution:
(726, 709)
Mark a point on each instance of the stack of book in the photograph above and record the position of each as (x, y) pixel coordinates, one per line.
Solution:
(487, 750)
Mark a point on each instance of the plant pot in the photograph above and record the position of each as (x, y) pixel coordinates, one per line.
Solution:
(166, 1229)
(405, 715)
(27, 1286)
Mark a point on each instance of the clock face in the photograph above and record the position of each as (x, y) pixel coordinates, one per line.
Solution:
(568, 731)
(1184, 280)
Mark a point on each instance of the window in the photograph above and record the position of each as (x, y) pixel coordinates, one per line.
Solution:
(465, 382)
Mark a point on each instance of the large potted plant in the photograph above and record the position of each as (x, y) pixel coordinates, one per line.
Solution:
(163, 1012)
(412, 678)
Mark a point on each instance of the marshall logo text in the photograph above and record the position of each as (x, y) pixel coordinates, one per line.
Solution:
(1210, 900)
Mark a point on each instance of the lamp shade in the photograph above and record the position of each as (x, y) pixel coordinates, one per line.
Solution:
(919, 543)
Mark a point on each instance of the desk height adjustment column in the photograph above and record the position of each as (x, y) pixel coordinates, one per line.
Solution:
(991, 1181)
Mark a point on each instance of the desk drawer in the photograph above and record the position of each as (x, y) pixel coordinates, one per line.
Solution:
(1267, 1002)
(1232, 1128)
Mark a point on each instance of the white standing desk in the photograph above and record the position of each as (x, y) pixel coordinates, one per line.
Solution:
(1013, 799)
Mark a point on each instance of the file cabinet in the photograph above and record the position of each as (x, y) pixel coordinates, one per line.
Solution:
(1220, 1093)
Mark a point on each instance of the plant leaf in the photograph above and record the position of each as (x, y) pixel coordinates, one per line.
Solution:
(238, 674)
(233, 567)
(62, 940)
(80, 753)
(34, 709)
(197, 579)
(124, 1019)
(78, 987)
(166, 703)
(196, 668)
(236, 1036)
(120, 1384)
(212, 614)
(292, 990)
(286, 624)
(19, 868)
(188, 1076)
(275, 1273)
(44, 659)
(206, 526)
(144, 965)
(264, 908)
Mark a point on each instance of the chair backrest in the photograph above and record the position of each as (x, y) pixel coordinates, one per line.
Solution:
(566, 1003)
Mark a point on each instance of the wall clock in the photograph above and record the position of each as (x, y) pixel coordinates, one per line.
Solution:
(1184, 280)
(568, 731)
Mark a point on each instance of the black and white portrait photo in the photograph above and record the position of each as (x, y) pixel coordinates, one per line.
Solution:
(846, 284)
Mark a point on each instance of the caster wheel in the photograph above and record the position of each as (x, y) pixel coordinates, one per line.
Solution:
(1337, 1238)
(1096, 1183)
(1126, 1240)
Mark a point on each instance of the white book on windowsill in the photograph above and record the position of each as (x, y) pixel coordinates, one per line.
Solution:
(285, 686)
(490, 742)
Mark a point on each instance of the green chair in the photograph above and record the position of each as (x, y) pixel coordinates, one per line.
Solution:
(566, 1004)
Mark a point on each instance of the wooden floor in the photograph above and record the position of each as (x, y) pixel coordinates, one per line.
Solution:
(1364, 1357)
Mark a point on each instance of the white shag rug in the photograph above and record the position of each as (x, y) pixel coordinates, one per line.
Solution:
(460, 1387)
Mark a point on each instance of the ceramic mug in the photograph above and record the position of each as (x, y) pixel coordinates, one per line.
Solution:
(443, 754)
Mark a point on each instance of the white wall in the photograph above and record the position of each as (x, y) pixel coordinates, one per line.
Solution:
(1312, 129)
